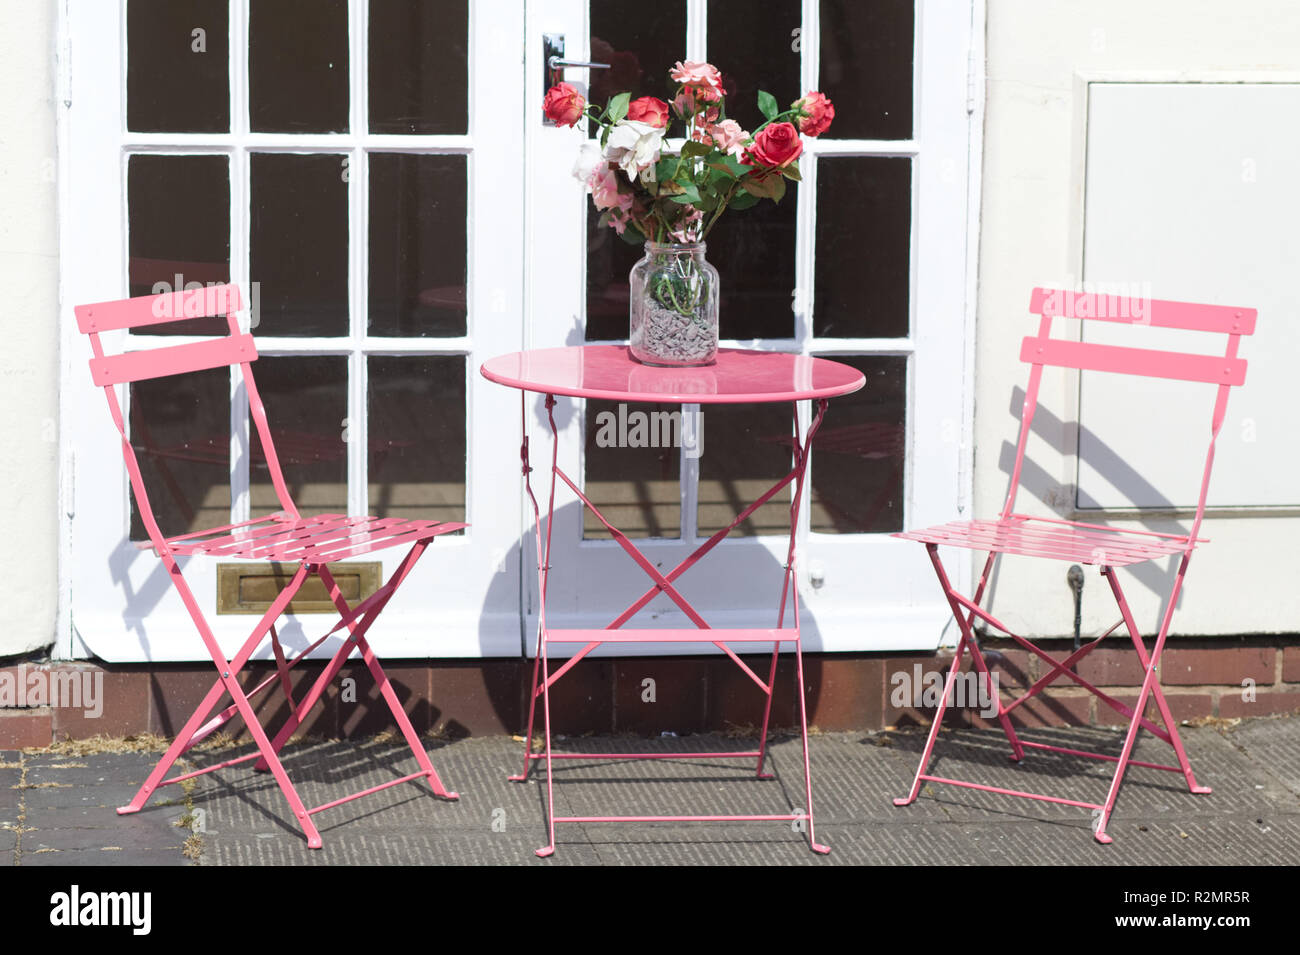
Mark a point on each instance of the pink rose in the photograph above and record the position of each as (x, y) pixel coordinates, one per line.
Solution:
(775, 147)
(649, 110)
(728, 136)
(604, 189)
(703, 78)
(563, 105)
(817, 111)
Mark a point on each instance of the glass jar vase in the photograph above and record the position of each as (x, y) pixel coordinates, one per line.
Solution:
(673, 309)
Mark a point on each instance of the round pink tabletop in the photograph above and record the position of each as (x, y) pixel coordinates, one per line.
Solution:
(608, 371)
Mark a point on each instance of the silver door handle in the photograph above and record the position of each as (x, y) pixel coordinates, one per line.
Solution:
(556, 63)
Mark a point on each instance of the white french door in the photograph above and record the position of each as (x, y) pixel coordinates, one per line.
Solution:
(869, 261)
(359, 170)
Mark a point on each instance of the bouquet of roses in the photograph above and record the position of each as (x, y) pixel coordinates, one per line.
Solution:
(646, 193)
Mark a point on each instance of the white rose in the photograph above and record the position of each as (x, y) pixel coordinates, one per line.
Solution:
(635, 147)
(588, 159)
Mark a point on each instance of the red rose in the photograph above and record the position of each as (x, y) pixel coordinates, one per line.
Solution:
(817, 111)
(649, 110)
(776, 146)
(563, 105)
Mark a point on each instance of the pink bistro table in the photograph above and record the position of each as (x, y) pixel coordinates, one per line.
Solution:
(738, 377)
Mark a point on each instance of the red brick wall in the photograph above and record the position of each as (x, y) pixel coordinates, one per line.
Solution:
(1201, 677)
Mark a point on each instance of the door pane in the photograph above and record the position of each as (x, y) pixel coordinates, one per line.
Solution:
(178, 219)
(417, 447)
(180, 430)
(864, 247)
(857, 462)
(754, 253)
(640, 43)
(755, 52)
(306, 403)
(419, 66)
(298, 66)
(417, 245)
(866, 67)
(609, 260)
(746, 450)
(632, 470)
(641, 50)
(178, 66)
(299, 243)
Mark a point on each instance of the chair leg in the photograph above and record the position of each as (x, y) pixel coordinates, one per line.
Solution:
(532, 711)
(1166, 715)
(807, 768)
(934, 726)
(356, 629)
(968, 638)
(767, 713)
(549, 848)
(178, 746)
(227, 671)
(403, 721)
(273, 760)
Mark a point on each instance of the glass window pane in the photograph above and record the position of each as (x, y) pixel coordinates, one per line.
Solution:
(298, 66)
(609, 260)
(864, 247)
(857, 461)
(866, 67)
(417, 447)
(419, 66)
(755, 52)
(178, 66)
(180, 430)
(640, 49)
(417, 245)
(299, 243)
(754, 252)
(178, 216)
(306, 402)
(632, 469)
(746, 450)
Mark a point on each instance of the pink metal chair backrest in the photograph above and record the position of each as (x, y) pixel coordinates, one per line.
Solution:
(235, 348)
(1222, 371)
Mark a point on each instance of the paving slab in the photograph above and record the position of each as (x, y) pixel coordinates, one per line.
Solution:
(67, 804)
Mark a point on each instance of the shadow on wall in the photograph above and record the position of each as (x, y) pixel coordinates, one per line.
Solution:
(1064, 438)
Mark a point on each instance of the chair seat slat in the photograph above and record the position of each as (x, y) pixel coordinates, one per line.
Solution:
(1053, 541)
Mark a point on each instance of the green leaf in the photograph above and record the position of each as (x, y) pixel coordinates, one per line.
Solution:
(666, 168)
(632, 235)
(688, 195)
(792, 172)
(691, 148)
(618, 106)
(765, 188)
(767, 105)
(742, 200)
(722, 171)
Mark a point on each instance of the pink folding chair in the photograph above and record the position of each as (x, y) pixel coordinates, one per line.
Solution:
(285, 536)
(1052, 539)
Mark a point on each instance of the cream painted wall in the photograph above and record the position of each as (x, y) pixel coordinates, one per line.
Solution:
(1243, 581)
(29, 365)
(1027, 237)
